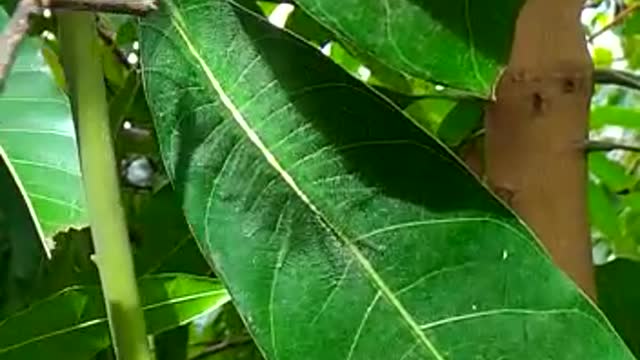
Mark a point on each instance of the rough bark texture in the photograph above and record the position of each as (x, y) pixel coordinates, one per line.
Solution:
(536, 130)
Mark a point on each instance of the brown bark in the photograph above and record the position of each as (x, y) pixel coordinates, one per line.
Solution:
(473, 155)
(536, 130)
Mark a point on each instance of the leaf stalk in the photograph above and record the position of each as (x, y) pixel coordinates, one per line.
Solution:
(83, 69)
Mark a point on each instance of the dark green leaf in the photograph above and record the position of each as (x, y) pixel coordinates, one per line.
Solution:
(121, 103)
(70, 263)
(164, 241)
(619, 298)
(342, 230)
(461, 43)
(631, 25)
(461, 122)
(127, 33)
(302, 24)
(38, 136)
(399, 99)
(172, 344)
(72, 324)
(21, 251)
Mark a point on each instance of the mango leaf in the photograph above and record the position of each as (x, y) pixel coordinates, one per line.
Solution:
(342, 230)
(302, 24)
(166, 248)
(38, 136)
(72, 324)
(460, 43)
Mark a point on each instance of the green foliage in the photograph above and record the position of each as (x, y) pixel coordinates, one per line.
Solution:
(472, 39)
(619, 296)
(169, 247)
(34, 112)
(303, 187)
(73, 325)
(21, 250)
(615, 116)
(461, 122)
(336, 223)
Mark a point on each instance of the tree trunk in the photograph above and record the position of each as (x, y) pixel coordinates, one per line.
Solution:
(536, 131)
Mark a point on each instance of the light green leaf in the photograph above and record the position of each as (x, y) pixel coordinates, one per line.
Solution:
(609, 172)
(342, 230)
(615, 116)
(72, 324)
(603, 213)
(38, 136)
(460, 123)
(430, 112)
(461, 43)
(602, 57)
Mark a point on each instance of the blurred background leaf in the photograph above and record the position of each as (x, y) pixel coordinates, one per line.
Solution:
(76, 325)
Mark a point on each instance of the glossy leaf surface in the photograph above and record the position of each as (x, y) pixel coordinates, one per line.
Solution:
(342, 230)
(461, 43)
(38, 136)
(72, 324)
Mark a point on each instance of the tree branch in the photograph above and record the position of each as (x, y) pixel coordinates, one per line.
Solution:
(13, 34)
(132, 7)
(619, 18)
(110, 42)
(617, 77)
(222, 346)
(594, 145)
(18, 25)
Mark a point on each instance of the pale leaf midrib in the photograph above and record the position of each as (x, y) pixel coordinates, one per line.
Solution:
(177, 22)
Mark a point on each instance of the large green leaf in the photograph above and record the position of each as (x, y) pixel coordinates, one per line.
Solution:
(72, 324)
(21, 253)
(342, 230)
(461, 43)
(38, 136)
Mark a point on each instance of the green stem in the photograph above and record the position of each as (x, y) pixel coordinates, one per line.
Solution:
(83, 68)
